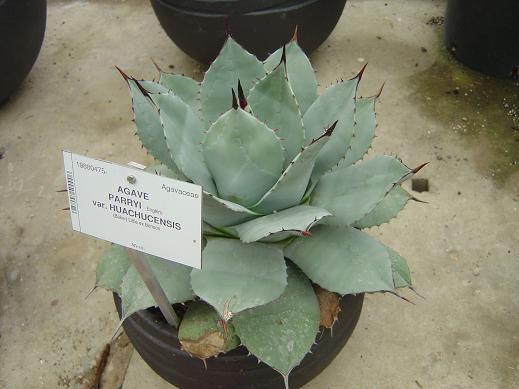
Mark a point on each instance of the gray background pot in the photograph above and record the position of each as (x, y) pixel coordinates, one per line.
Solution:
(484, 35)
(198, 27)
(22, 27)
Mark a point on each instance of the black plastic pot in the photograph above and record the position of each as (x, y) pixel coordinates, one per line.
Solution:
(158, 345)
(198, 27)
(22, 26)
(484, 35)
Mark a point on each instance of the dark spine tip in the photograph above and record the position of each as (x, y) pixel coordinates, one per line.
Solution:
(284, 60)
(66, 209)
(241, 96)
(328, 132)
(418, 168)
(418, 200)
(157, 66)
(295, 35)
(141, 88)
(125, 76)
(361, 72)
(380, 90)
(395, 293)
(227, 26)
(234, 101)
(284, 55)
(412, 288)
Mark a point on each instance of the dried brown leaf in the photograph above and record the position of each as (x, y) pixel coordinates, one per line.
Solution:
(209, 345)
(329, 306)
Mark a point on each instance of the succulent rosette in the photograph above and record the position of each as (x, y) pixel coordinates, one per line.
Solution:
(285, 196)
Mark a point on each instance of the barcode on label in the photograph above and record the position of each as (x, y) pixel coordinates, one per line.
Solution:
(71, 192)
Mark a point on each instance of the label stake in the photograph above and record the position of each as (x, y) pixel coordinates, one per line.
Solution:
(144, 269)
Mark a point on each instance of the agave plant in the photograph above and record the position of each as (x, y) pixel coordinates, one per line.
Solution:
(285, 197)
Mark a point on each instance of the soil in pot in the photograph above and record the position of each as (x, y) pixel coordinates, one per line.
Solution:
(158, 345)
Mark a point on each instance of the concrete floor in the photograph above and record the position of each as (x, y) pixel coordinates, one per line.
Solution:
(462, 246)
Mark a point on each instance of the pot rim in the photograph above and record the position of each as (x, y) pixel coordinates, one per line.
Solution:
(153, 319)
(285, 6)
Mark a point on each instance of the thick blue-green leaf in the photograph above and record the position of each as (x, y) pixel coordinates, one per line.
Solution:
(236, 276)
(343, 260)
(292, 221)
(221, 213)
(363, 130)
(282, 332)
(149, 126)
(337, 103)
(300, 74)
(244, 156)
(112, 267)
(208, 231)
(386, 209)
(184, 87)
(232, 64)
(202, 334)
(401, 273)
(272, 101)
(173, 277)
(184, 134)
(291, 186)
(350, 193)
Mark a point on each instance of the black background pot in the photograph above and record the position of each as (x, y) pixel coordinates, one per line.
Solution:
(484, 35)
(22, 26)
(261, 26)
(158, 345)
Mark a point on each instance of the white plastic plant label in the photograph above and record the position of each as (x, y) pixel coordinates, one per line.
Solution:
(136, 209)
